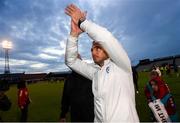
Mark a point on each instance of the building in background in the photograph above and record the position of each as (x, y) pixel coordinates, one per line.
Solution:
(147, 64)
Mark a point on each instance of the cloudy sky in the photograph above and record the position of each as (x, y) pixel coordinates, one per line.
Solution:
(38, 30)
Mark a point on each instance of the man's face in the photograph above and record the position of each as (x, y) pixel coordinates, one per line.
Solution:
(98, 54)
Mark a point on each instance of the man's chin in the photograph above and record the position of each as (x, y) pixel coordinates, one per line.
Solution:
(97, 62)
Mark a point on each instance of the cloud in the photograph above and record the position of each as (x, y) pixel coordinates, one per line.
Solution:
(38, 65)
(39, 29)
(53, 51)
(46, 56)
(146, 29)
(95, 6)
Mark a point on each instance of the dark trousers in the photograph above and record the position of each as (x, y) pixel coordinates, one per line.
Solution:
(24, 114)
(136, 84)
(82, 114)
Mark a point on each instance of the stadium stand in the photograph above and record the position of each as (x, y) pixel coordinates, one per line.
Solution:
(147, 64)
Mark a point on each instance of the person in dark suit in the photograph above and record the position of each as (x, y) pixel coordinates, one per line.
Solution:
(135, 79)
(78, 99)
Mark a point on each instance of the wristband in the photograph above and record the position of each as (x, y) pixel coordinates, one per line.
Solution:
(80, 21)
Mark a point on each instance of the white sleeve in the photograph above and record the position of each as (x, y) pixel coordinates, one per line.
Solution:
(74, 63)
(111, 45)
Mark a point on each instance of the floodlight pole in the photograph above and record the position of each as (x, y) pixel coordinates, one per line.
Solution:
(6, 67)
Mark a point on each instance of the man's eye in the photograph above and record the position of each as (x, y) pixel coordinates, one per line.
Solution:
(98, 48)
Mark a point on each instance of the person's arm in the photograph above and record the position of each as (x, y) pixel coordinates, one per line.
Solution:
(147, 94)
(72, 60)
(114, 49)
(71, 55)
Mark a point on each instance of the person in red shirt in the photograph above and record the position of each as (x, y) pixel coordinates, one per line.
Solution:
(157, 89)
(23, 100)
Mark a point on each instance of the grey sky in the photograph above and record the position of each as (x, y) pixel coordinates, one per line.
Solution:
(38, 30)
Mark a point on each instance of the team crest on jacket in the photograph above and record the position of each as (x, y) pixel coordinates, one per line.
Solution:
(107, 69)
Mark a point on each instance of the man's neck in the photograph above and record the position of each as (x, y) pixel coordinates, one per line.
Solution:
(101, 64)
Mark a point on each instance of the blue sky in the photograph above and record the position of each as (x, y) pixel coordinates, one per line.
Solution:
(38, 30)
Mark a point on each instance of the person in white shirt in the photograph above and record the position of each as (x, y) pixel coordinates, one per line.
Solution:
(113, 89)
(156, 68)
(158, 71)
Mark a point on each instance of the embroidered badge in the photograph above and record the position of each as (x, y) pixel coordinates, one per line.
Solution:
(107, 69)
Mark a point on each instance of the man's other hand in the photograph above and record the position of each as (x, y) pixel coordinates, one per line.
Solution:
(75, 30)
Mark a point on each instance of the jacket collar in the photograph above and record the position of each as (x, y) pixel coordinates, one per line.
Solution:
(106, 62)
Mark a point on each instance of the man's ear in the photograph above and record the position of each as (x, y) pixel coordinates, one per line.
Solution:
(79, 56)
(107, 54)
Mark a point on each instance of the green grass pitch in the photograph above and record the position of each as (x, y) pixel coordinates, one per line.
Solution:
(46, 98)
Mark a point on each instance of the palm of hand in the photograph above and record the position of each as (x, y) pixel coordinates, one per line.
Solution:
(75, 28)
(75, 13)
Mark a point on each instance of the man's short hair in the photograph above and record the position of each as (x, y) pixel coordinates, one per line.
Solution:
(97, 44)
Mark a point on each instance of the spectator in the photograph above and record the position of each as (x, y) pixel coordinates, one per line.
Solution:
(5, 103)
(135, 79)
(168, 69)
(176, 70)
(162, 70)
(156, 68)
(23, 100)
(157, 89)
(78, 99)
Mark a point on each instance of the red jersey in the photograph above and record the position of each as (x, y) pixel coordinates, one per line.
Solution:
(23, 97)
(163, 90)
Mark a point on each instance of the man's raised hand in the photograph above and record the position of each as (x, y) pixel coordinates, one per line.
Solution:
(75, 30)
(75, 13)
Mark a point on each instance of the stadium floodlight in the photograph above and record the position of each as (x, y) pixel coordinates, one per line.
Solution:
(7, 44)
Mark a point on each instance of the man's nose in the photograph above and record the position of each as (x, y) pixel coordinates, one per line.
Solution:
(95, 52)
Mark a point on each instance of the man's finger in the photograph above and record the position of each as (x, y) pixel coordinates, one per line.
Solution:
(69, 10)
(74, 7)
(68, 13)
